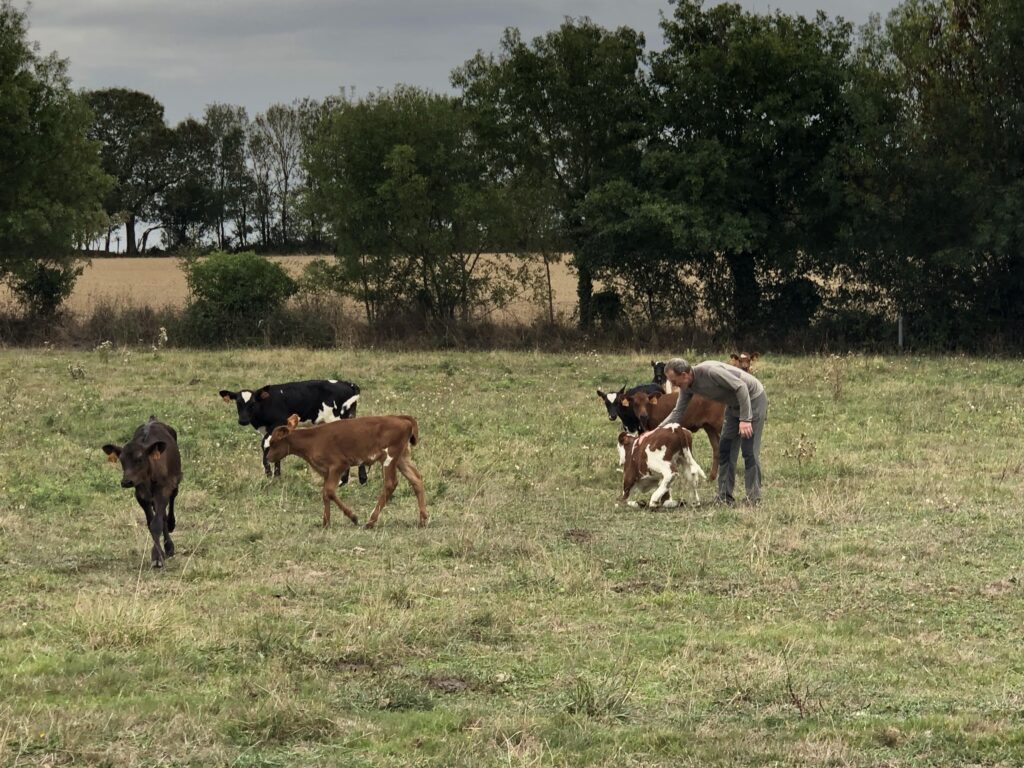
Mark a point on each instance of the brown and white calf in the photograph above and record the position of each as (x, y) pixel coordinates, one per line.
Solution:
(666, 454)
(701, 413)
(151, 464)
(332, 449)
(743, 360)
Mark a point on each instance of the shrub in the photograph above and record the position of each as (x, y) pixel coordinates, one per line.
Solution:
(233, 296)
(43, 287)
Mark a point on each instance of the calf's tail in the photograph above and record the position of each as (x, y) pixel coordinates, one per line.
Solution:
(415, 436)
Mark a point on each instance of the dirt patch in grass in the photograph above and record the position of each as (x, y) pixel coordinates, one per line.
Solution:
(579, 536)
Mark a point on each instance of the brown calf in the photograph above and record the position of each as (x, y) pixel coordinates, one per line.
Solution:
(701, 413)
(151, 464)
(333, 448)
(662, 457)
(744, 360)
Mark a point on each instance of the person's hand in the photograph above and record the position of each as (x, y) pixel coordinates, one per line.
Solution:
(746, 430)
(643, 437)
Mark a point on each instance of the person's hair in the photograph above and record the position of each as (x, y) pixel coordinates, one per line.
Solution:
(678, 365)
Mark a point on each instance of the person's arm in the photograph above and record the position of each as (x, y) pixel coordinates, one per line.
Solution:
(676, 417)
(739, 386)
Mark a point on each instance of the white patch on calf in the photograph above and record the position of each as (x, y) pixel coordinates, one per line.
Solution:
(246, 395)
(611, 397)
(389, 459)
(348, 404)
(622, 454)
(332, 381)
(326, 414)
(266, 442)
(659, 465)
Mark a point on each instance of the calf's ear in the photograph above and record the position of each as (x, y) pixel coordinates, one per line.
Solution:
(624, 402)
(602, 395)
(734, 358)
(263, 394)
(653, 399)
(113, 452)
(293, 420)
(157, 449)
(227, 395)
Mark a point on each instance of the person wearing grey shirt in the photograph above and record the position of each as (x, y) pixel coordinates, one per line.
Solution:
(745, 413)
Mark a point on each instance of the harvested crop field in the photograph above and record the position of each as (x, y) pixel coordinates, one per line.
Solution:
(159, 281)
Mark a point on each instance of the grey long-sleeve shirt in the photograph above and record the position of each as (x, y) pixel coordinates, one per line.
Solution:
(722, 382)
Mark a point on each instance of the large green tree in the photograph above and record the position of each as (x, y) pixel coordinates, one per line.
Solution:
(188, 208)
(136, 151)
(942, 186)
(571, 107)
(755, 123)
(52, 185)
(410, 207)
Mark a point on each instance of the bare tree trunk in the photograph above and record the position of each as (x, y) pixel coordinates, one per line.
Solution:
(107, 247)
(551, 291)
(129, 236)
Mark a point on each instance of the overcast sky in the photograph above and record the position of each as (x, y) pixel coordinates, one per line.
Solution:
(188, 53)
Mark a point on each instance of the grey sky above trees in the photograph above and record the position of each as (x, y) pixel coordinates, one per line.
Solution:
(256, 52)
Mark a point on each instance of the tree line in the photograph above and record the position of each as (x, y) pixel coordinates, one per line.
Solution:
(760, 175)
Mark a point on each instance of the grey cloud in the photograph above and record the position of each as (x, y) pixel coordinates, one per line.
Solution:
(257, 52)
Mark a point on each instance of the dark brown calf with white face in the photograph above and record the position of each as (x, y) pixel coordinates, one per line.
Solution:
(700, 413)
(333, 448)
(665, 455)
(151, 464)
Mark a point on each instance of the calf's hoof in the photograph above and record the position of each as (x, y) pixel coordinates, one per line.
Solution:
(368, 526)
(157, 563)
(355, 521)
(169, 548)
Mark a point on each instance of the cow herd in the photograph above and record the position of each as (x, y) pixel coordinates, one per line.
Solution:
(667, 453)
(334, 442)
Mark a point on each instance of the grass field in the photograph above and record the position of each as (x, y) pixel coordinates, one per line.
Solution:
(868, 613)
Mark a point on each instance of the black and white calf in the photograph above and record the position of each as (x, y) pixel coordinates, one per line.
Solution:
(619, 407)
(316, 402)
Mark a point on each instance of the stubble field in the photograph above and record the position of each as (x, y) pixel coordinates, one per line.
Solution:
(159, 282)
(868, 613)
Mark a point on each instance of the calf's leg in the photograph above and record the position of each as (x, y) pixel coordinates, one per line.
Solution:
(412, 474)
(331, 489)
(169, 525)
(390, 483)
(156, 529)
(664, 487)
(713, 438)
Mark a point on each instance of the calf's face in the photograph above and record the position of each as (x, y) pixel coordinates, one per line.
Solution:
(743, 360)
(136, 461)
(611, 402)
(641, 403)
(275, 444)
(247, 401)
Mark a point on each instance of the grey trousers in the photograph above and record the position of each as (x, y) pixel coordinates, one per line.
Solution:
(729, 450)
